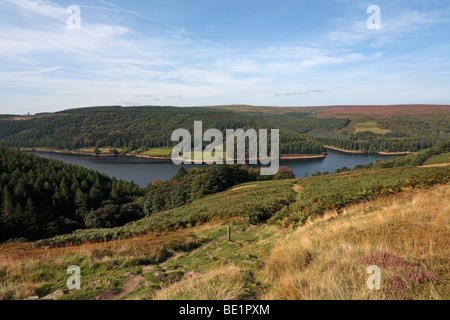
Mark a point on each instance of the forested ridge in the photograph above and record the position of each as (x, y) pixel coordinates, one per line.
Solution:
(302, 123)
(134, 128)
(139, 129)
(403, 134)
(42, 197)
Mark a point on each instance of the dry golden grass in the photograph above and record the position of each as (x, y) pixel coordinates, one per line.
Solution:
(225, 283)
(26, 272)
(324, 260)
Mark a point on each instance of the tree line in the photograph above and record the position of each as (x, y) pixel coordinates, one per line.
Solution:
(370, 142)
(302, 123)
(416, 159)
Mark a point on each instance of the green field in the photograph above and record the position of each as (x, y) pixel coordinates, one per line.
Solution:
(370, 126)
(102, 150)
(154, 152)
(438, 159)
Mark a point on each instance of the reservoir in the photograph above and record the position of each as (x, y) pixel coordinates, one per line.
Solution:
(143, 170)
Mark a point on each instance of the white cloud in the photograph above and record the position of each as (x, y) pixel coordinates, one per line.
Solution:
(300, 93)
(42, 7)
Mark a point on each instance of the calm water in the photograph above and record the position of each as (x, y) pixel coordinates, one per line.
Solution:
(142, 171)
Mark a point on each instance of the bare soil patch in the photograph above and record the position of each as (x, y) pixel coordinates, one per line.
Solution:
(129, 286)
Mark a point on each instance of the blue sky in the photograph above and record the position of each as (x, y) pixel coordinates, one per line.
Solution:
(214, 52)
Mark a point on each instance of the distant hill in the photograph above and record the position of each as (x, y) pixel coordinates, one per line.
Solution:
(304, 130)
(138, 130)
(343, 110)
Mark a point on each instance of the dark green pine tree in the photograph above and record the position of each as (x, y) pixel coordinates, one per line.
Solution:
(7, 214)
(30, 219)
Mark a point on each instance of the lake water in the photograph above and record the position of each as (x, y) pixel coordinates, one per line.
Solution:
(143, 171)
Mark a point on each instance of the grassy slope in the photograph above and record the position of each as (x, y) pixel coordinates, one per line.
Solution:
(326, 259)
(438, 159)
(260, 259)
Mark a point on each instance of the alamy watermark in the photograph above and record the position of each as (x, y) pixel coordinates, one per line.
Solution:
(374, 21)
(74, 20)
(74, 281)
(374, 280)
(214, 152)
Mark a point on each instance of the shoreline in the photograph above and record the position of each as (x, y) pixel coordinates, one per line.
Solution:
(81, 153)
(402, 153)
(248, 159)
(303, 157)
(45, 150)
(283, 157)
(395, 153)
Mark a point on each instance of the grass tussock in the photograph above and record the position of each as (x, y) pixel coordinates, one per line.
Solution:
(225, 283)
(407, 236)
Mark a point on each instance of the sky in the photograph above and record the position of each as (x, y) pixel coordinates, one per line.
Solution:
(219, 52)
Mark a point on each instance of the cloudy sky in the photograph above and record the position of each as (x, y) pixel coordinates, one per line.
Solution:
(213, 52)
